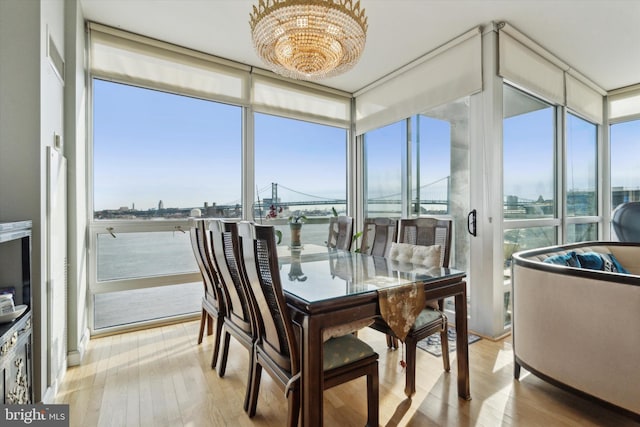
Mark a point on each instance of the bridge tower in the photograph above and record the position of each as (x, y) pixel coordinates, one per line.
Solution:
(274, 194)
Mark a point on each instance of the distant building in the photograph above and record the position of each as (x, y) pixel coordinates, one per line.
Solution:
(160, 205)
(621, 195)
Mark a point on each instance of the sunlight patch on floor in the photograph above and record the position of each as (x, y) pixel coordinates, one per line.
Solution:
(503, 359)
(495, 406)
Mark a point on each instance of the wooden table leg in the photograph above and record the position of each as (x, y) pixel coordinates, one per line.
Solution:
(462, 341)
(312, 378)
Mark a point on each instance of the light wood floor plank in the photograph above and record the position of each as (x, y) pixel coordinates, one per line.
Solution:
(161, 377)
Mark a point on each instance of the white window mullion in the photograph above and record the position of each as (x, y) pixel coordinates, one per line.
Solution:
(561, 172)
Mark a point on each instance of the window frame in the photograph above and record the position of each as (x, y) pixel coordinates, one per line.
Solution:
(561, 220)
(96, 226)
(582, 219)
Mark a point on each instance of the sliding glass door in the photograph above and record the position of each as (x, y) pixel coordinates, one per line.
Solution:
(420, 167)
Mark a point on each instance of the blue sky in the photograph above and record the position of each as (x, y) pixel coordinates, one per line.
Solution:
(625, 154)
(157, 146)
(185, 151)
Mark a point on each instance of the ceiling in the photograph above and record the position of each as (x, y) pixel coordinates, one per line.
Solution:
(598, 38)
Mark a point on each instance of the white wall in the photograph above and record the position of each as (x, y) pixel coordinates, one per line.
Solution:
(30, 113)
(53, 301)
(21, 161)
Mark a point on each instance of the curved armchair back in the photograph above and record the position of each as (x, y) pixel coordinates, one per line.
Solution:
(626, 222)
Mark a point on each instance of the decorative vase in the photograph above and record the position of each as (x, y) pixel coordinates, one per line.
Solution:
(295, 234)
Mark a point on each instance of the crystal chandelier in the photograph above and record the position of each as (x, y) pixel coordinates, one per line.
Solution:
(308, 39)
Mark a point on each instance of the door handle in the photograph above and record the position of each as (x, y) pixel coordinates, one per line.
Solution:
(472, 227)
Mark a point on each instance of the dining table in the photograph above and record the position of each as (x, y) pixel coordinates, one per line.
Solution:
(326, 287)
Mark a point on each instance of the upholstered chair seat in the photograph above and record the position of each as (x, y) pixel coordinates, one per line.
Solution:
(341, 351)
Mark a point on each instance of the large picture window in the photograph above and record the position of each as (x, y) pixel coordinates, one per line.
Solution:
(300, 170)
(158, 159)
(538, 150)
(529, 179)
(161, 155)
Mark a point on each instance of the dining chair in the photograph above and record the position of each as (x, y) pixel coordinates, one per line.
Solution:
(277, 349)
(239, 321)
(377, 236)
(414, 235)
(340, 232)
(426, 231)
(212, 301)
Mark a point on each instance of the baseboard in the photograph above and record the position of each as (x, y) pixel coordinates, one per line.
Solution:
(74, 358)
(49, 396)
(52, 390)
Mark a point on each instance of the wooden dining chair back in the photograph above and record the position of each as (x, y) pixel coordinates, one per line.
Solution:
(212, 301)
(425, 231)
(428, 231)
(277, 349)
(377, 236)
(239, 321)
(340, 232)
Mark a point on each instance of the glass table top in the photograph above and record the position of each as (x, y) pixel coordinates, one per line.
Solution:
(323, 275)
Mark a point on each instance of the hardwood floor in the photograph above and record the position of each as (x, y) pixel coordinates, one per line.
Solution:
(161, 377)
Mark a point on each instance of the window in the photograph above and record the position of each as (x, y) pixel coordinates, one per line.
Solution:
(158, 159)
(529, 157)
(143, 254)
(383, 151)
(581, 167)
(625, 151)
(581, 180)
(520, 239)
(581, 232)
(300, 169)
(440, 170)
(160, 155)
(529, 179)
(532, 216)
(423, 172)
(432, 165)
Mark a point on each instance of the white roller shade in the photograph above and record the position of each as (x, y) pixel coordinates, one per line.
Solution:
(135, 59)
(525, 68)
(300, 101)
(583, 99)
(528, 65)
(444, 75)
(624, 103)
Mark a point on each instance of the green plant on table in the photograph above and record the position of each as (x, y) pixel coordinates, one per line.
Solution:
(297, 219)
(354, 241)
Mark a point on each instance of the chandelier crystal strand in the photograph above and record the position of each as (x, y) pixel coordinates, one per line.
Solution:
(308, 39)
